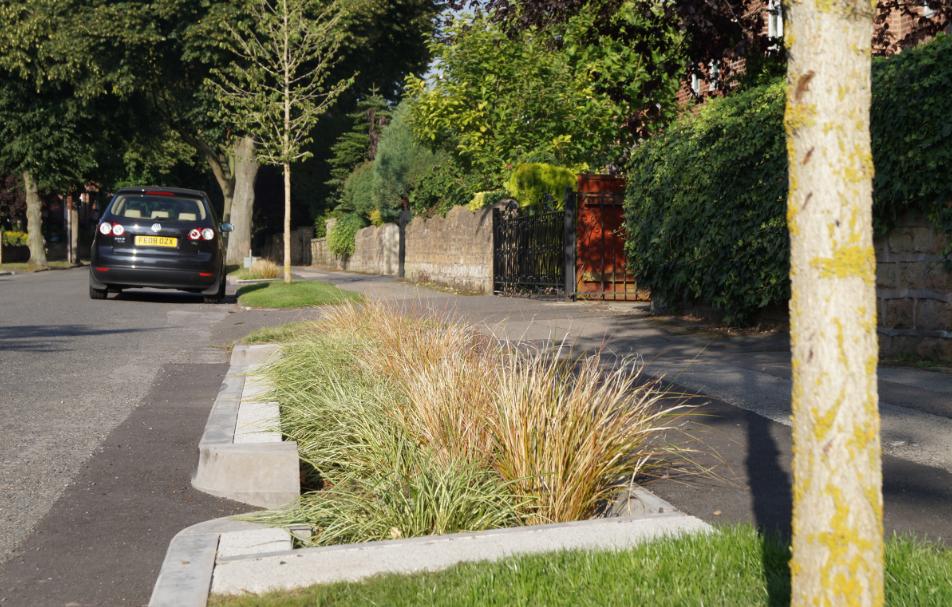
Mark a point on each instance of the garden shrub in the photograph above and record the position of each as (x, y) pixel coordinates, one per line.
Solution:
(357, 193)
(342, 237)
(444, 185)
(912, 134)
(536, 184)
(12, 238)
(320, 225)
(706, 201)
(400, 163)
(481, 200)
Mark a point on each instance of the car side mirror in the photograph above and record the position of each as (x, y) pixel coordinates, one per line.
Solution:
(227, 227)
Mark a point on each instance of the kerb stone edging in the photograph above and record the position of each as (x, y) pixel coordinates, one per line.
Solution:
(264, 474)
(194, 567)
(186, 574)
(308, 566)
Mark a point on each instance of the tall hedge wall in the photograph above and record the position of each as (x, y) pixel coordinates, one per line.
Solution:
(705, 206)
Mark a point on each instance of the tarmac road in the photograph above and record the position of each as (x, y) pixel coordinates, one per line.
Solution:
(102, 404)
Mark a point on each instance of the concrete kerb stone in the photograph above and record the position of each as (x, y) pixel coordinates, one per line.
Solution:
(186, 574)
(252, 468)
(226, 556)
(351, 562)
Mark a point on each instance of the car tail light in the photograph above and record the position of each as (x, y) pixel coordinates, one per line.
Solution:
(205, 274)
(208, 234)
(118, 230)
(105, 228)
(195, 234)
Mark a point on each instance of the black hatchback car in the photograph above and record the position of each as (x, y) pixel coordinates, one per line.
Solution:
(167, 238)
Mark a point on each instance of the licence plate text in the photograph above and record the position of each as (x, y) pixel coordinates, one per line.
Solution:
(156, 241)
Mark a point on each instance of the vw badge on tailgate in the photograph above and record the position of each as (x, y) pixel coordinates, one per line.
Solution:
(156, 227)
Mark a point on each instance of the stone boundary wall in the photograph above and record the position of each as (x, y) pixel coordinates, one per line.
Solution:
(914, 291)
(376, 251)
(455, 251)
(300, 251)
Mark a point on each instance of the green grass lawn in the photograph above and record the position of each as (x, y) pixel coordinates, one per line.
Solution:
(299, 294)
(280, 334)
(733, 568)
(241, 274)
(26, 267)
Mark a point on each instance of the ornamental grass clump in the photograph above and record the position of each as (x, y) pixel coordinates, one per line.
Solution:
(264, 269)
(418, 425)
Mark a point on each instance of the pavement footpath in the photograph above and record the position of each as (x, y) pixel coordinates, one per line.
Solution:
(740, 468)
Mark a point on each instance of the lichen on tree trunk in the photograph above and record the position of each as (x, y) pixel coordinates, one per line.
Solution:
(34, 222)
(837, 522)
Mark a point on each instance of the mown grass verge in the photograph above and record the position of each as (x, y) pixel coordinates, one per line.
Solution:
(735, 567)
(417, 426)
(299, 294)
(281, 334)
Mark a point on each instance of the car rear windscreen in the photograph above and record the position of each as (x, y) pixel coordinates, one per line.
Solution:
(168, 208)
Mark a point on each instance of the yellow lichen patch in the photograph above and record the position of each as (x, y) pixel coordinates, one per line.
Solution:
(848, 261)
(848, 562)
(823, 422)
(858, 166)
(792, 213)
(861, 438)
(798, 115)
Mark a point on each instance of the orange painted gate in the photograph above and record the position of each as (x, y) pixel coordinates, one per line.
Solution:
(601, 268)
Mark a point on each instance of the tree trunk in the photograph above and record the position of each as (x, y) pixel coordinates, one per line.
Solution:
(286, 147)
(242, 209)
(34, 222)
(287, 222)
(73, 231)
(225, 178)
(837, 517)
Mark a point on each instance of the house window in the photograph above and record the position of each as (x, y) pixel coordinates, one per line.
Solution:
(775, 19)
(695, 84)
(713, 72)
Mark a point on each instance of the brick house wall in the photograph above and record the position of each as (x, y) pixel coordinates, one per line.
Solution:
(704, 84)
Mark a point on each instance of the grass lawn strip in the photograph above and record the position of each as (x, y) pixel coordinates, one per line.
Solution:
(298, 294)
(735, 567)
(281, 334)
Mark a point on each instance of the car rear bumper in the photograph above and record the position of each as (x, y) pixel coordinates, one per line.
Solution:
(102, 277)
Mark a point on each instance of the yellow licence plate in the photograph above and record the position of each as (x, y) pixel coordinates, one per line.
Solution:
(156, 241)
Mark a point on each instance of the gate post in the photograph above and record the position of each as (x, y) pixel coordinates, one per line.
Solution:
(568, 240)
(402, 221)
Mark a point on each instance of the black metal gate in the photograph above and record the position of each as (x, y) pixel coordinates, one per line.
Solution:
(533, 253)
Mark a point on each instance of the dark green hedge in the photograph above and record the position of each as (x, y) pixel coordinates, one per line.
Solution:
(705, 207)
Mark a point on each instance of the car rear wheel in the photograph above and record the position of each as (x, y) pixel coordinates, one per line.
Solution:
(97, 293)
(219, 295)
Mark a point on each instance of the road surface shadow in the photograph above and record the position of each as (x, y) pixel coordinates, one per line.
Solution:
(44, 338)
